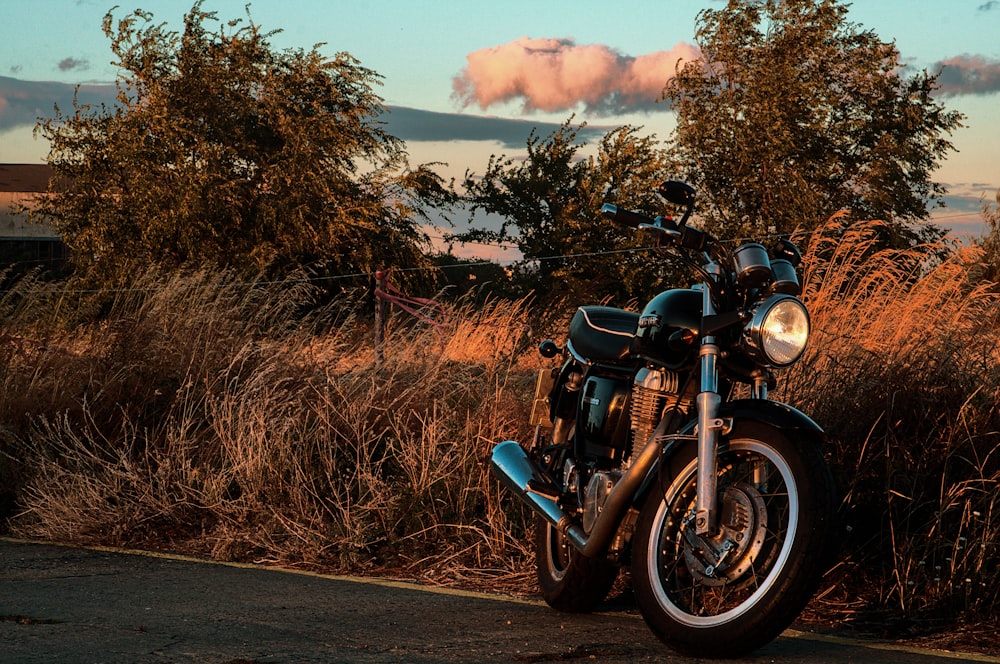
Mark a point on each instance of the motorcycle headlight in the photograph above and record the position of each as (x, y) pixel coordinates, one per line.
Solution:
(777, 333)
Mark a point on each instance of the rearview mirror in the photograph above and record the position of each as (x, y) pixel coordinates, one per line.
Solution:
(677, 192)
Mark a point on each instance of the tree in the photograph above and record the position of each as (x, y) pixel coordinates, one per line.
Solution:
(792, 114)
(989, 241)
(549, 204)
(221, 149)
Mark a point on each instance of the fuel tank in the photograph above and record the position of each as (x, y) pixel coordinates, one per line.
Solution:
(669, 312)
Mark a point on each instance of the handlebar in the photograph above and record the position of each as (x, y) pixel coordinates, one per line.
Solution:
(685, 236)
(624, 217)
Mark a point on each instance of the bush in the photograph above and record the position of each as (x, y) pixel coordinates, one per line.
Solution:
(199, 414)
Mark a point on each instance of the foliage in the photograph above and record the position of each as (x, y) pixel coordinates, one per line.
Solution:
(990, 240)
(205, 415)
(792, 114)
(474, 279)
(223, 149)
(549, 204)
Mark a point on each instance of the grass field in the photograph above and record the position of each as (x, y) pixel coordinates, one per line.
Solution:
(200, 414)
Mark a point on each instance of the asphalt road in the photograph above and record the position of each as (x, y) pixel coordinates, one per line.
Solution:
(67, 605)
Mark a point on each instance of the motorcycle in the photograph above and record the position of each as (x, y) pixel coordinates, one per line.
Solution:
(657, 449)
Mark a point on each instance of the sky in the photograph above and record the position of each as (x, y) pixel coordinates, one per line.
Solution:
(467, 79)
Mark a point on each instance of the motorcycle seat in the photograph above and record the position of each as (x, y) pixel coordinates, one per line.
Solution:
(603, 334)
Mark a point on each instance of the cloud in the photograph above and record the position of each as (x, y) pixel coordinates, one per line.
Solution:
(410, 124)
(70, 64)
(969, 75)
(989, 6)
(558, 75)
(23, 102)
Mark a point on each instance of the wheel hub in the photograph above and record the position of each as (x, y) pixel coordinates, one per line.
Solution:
(727, 554)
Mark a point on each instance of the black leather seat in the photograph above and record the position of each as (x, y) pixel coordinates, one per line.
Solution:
(603, 334)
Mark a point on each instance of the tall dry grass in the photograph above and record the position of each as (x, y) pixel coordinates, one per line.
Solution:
(202, 415)
(901, 372)
(212, 417)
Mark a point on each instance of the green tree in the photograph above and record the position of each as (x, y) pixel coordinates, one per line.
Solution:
(792, 114)
(549, 205)
(222, 149)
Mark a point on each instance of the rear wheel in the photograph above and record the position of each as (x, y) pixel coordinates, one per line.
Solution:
(568, 580)
(729, 592)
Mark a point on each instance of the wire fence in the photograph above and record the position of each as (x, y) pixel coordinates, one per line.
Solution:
(373, 275)
(423, 268)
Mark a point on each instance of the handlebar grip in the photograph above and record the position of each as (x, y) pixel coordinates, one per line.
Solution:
(694, 239)
(623, 216)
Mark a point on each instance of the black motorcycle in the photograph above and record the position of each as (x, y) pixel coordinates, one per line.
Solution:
(656, 447)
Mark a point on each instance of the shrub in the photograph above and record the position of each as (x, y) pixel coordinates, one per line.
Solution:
(200, 414)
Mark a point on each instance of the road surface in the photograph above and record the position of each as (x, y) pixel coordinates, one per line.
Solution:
(68, 605)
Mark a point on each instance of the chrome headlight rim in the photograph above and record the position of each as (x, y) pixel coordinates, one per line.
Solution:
(766, 339)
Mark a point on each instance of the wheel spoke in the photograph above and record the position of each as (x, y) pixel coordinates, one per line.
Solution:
(725, 592)
(712, 575)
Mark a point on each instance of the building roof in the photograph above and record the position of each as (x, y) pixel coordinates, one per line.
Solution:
(32, 178)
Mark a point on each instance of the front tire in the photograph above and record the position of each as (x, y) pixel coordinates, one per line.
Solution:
(728, 593)
(568, 580)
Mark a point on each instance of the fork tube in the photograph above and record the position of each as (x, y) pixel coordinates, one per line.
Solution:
(709, 426)
(759, 390)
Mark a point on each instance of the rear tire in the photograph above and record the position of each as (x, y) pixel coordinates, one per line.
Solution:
(568, 580)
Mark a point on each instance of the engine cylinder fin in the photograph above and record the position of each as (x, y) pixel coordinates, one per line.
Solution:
(652, 391)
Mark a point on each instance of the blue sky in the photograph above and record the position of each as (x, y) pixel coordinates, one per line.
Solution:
(422, 47)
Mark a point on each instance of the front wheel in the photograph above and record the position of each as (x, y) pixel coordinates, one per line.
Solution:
(729, 592)
(568, 580)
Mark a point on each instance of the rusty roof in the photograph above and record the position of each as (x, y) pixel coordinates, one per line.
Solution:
(32, 178)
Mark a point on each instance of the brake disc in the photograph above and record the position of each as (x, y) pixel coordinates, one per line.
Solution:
(725, 556)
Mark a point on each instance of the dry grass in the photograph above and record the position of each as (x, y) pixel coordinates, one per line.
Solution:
(213, 418)
(199, 415)
(902, 373)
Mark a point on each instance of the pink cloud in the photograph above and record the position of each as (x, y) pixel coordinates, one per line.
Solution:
(969, 75)
(558, 75)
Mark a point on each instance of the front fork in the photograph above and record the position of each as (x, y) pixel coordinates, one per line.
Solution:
(710, 428)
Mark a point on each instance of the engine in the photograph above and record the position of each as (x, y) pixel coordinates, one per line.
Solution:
(653, 391)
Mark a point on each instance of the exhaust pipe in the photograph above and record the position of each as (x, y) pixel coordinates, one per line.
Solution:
(511, 465)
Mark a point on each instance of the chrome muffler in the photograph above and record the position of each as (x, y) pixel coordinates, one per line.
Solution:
(515, 470)
(511, 465)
